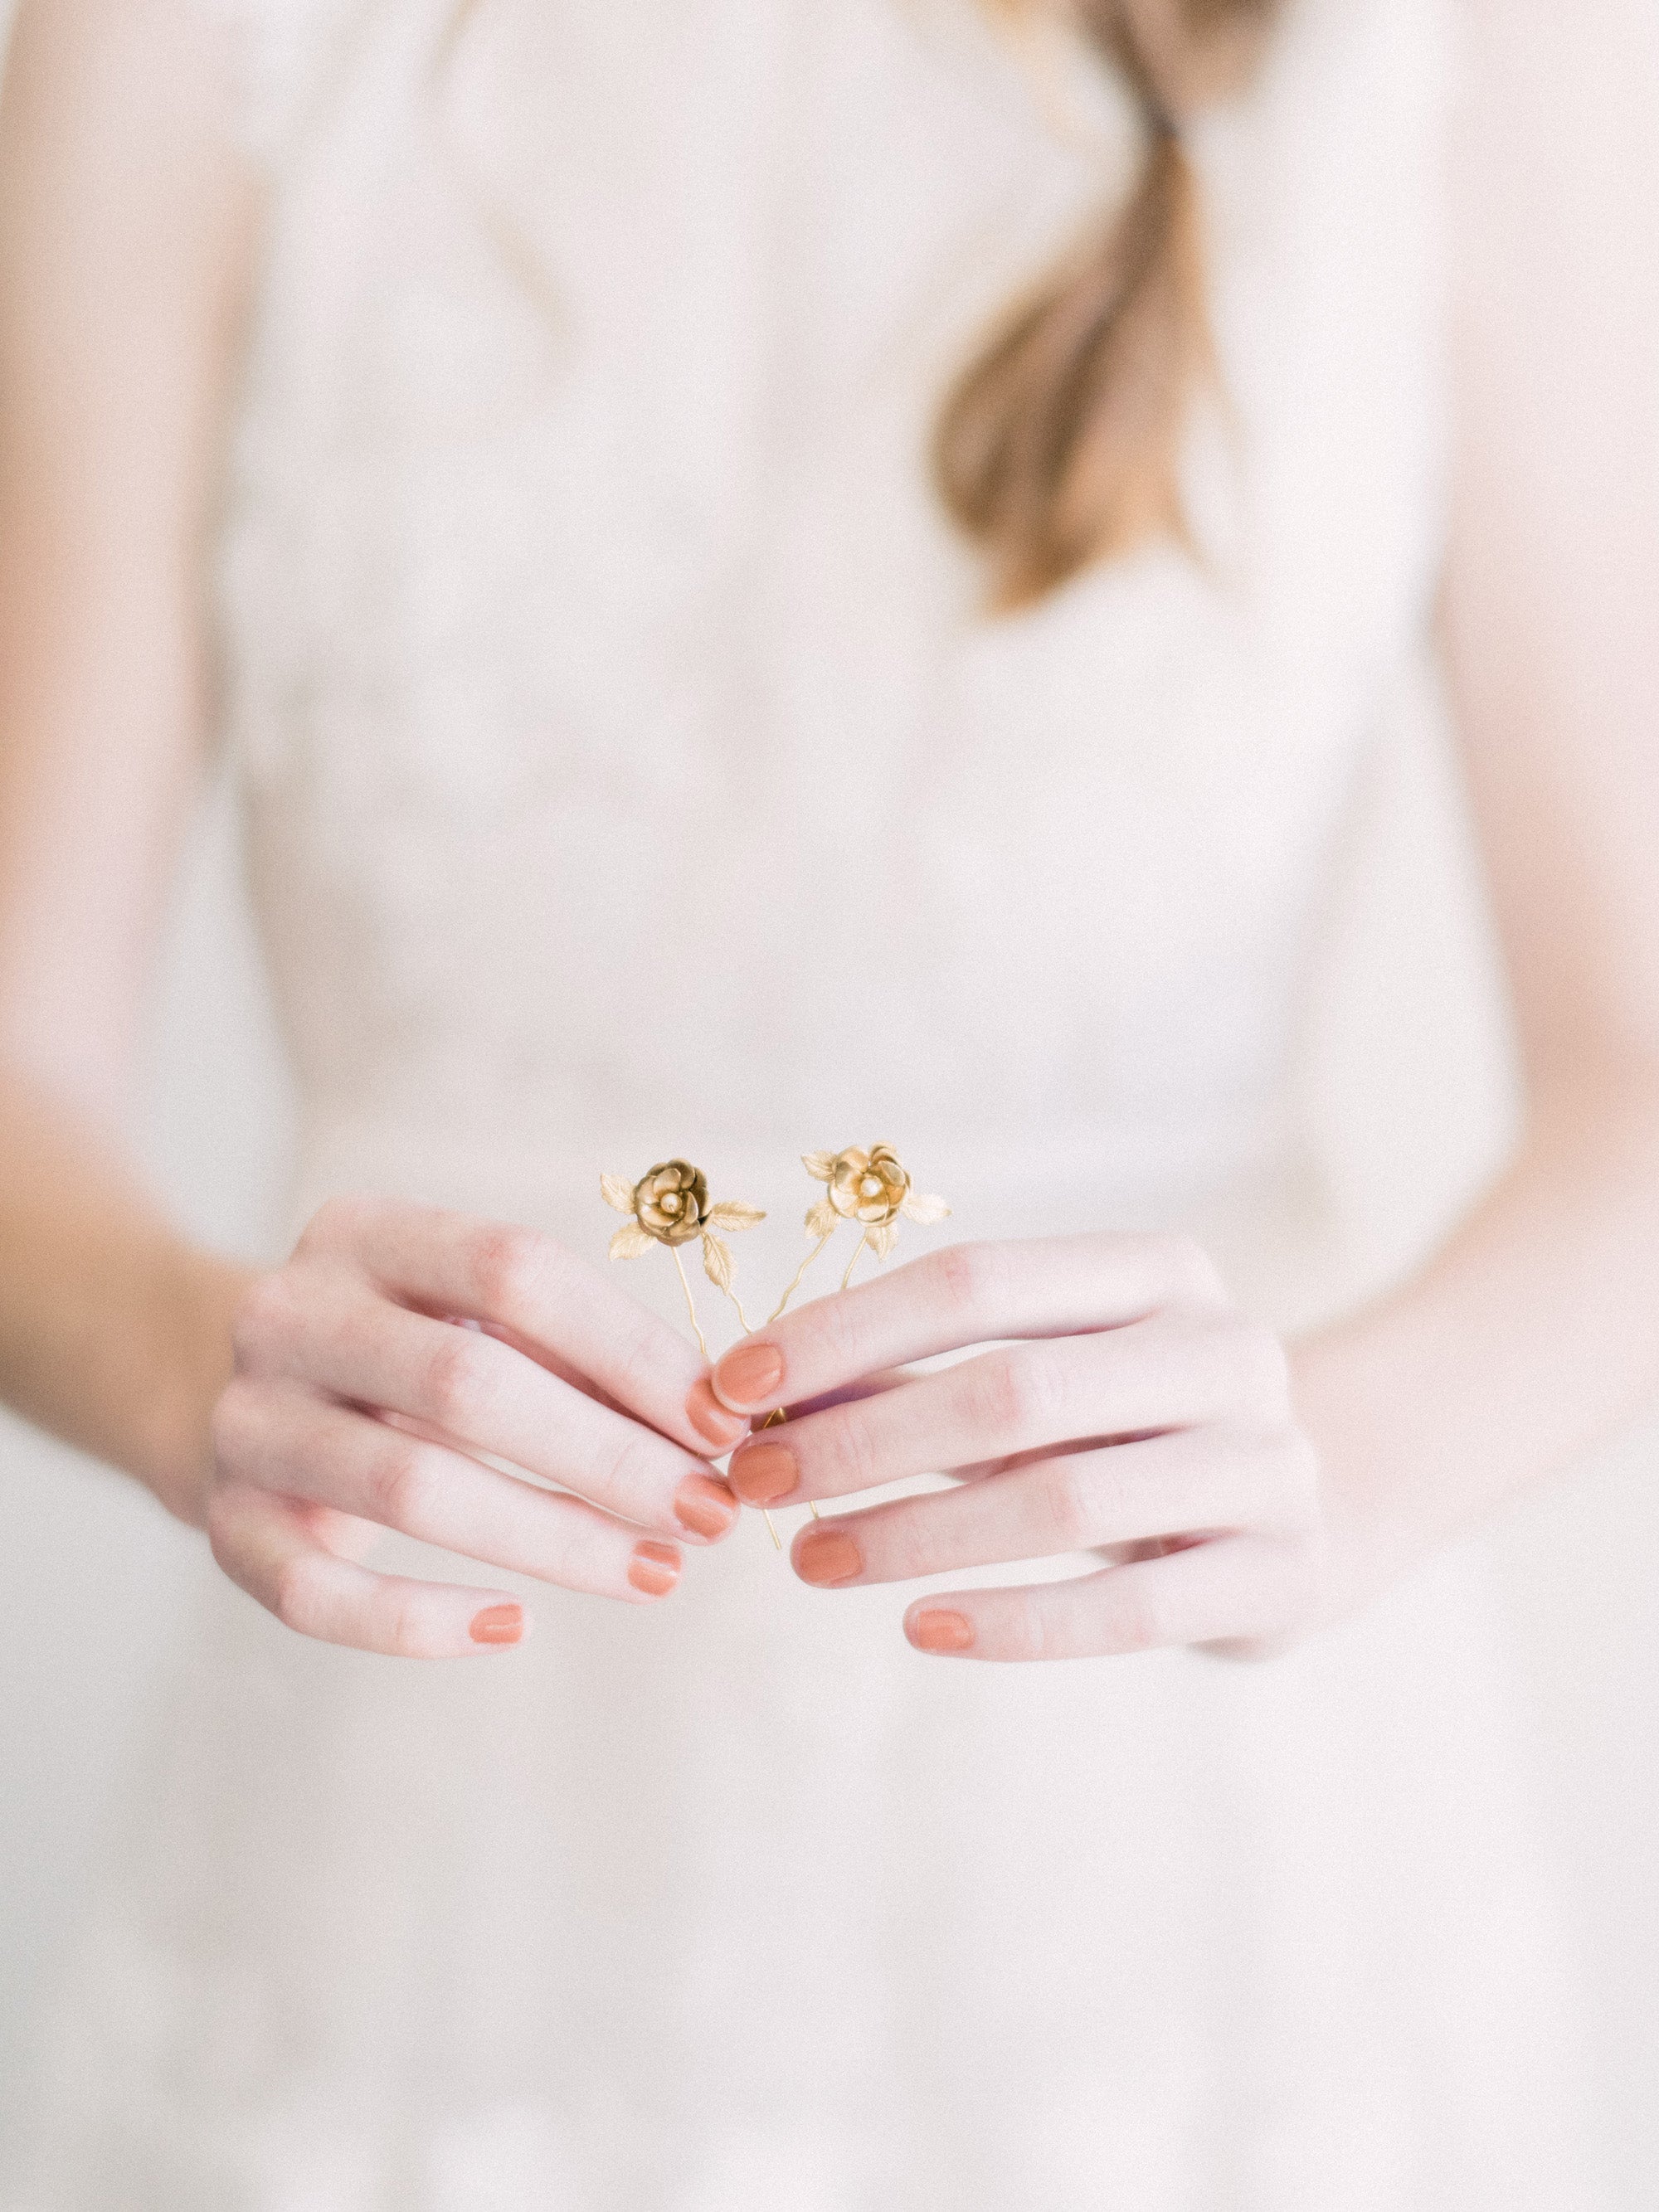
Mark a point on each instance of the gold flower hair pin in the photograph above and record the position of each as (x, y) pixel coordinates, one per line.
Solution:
(872, 1188)
(669, 1206)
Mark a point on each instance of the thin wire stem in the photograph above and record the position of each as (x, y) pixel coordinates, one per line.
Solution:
(748, 1325)
(691, 1303)
(854, 1262)
(800, 1272)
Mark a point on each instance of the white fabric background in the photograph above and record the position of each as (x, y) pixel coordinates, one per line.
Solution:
(1412, 1073)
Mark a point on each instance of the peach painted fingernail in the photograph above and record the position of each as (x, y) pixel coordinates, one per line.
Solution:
(941, 1631)
(828, 1555)
(763, 1474)
(654, 1569)
(714, 1423)
(749, 1373)
(497, 1623)
(704, 1506)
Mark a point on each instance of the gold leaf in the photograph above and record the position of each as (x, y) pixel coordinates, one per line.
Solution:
(882, 1238)
(717, 1262)
(616, 1191)
(630, 1242)
(918, 1207)
(733, 1213)
(820, 1165)
(822, 1219)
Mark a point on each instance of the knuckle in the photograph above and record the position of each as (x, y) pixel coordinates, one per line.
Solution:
(632, 1471)
(911, 1542)
(851, 1449)
(1025, 1633)
(841, 1338)
(966, 1276)
(905, 1546)
(1067, 1500)
(1020, 1393)
(509, 1265)
(263, 1319)
(1133, 1620)
(452, 1383)
(640, 1355)
(396, 1490)
(398, 1628)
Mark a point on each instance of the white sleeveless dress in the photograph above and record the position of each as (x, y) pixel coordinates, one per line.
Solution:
(628, 771)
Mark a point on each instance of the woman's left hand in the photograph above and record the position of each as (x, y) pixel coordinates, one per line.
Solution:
(1136, 1413)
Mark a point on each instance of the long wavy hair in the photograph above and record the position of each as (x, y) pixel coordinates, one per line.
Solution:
(1059, 445)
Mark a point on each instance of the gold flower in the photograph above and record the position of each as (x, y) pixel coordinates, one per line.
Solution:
(670, 1202)
(868, 1187)
(871, 1188)
(670, 1206)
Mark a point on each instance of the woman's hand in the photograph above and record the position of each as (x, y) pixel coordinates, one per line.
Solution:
(358, 1401)
(1139, 1416)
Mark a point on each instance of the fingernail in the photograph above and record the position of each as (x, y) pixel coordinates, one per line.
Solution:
(749, 1373)
(654, 1569)
(498, 1623)
(713, 1422)
(828, 1555)
(704, 1506)
(763, 1474)
(941, 1631)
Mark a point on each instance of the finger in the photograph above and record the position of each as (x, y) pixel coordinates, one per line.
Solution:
(338, 1335)
(1194, 1482)
(1237, 1589)
(264, 1545)
(301, 1447)
(866, 1386)
(1168, 1372)
(959, 1295)
(530, 1285)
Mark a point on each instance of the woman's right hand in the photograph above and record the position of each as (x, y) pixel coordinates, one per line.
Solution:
(397, 1348)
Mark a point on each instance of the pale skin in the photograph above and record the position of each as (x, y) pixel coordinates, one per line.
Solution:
(1241, 1492)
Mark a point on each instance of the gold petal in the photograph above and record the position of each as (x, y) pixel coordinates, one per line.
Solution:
(717, 1262)
(820, 1165)
(735, 1214)
(919, 1207)
(630, 1242)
